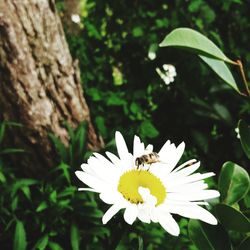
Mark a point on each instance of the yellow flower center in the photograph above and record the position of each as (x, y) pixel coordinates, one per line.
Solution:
(131, 181)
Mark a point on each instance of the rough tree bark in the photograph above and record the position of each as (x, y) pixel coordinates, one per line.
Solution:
(39, 82)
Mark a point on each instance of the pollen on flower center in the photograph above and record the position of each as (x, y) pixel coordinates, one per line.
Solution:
(130, 182)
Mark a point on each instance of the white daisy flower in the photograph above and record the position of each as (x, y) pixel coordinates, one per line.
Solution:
(151, 193)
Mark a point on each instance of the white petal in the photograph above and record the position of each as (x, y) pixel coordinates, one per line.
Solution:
(185, 172)
(154, 215)
(189, 179)
(130, 214)
(179, 152)
(186, 188)
(143, 215)
(102, 170)
(167, 221)
(138, 147)
(121, 146)
(111, 197)
(87, 189)
(190, 162)
(194, 212)
(183, 203)
(87, 168)
(164, 147)
(110, 213)
(104, 160)
(91, 181)
(113, 158)
(170, 155)
(195, 196)
(149, 148)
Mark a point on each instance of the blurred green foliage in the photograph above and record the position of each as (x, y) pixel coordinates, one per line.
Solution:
(125, 93)
(114, 45)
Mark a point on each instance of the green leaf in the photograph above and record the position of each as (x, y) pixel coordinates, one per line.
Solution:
(60, 147)
(42, 243)
(147, 129)
(247, 199)
(232, 219)
(140, 243)
(20, 242)
(11, 151)
(221, 69)
(22, 183)
(53, 196)
(115, 100)
(233, 183)
(54, 246)
(68, 191)
(42, 206)
(100, 123)
(74, 237)
(194, 41)
(65, 169)
(244, 131)
(137, 31)
(203, 236)
(14, 203)
(81, 136)
(2, 131)
(2, 178)
(26, 192)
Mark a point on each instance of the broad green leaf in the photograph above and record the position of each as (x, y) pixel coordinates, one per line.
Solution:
(194, 41)
(245, 244)
(232, 219)
(203, 236)
(74, 237)
(19, 237)
(221, 69)
(233, 183)
(244, 131)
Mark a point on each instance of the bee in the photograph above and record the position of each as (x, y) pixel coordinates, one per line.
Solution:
(147, 159)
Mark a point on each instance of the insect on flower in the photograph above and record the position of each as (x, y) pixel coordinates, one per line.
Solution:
(147, 159)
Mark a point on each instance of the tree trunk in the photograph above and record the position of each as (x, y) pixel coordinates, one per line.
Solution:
(39, 82)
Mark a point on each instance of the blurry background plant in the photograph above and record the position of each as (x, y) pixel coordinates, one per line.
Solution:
(116, 43)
